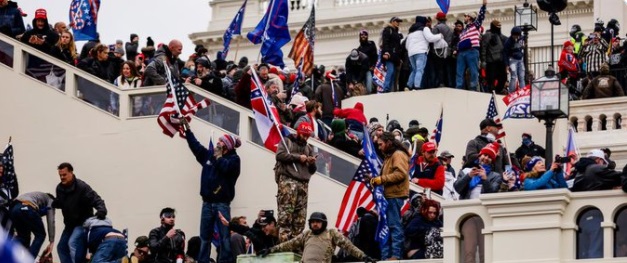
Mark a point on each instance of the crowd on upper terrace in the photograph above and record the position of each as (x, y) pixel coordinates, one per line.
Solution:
(430, 56)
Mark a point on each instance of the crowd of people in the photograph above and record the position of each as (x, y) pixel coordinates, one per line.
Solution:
(430, 56)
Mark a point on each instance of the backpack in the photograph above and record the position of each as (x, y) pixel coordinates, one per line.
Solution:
(434, 244)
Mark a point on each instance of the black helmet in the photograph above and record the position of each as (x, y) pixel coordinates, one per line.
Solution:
(575, 28)
(318, 216)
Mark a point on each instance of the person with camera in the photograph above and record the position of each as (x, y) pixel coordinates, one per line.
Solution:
(167, 243)
(480, 176)
(592, 173)
(539, 178)
(220, 169)
(41, 36)
(318, 243)
(264, 233)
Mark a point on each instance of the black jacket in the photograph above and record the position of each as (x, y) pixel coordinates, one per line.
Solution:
(391, 43)
(213, 84)
(50, 37)
(164, 249)
(370, 49)
(591, 176)
(531, 151)
(77, 203)
(475, 145)
(105, 70)
(62, 54)
(356, 69)
(259, 239)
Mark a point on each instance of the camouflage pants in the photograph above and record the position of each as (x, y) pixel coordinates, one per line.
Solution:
(292, 207)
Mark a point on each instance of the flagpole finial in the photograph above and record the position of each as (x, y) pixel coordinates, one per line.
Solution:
(10, 139)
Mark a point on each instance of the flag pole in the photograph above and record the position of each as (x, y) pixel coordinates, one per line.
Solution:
(10, 139)
(274, 122)
(237, 47)
(509, 158)
(265, 29)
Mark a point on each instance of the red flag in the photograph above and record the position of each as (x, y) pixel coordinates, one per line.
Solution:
(266, 115)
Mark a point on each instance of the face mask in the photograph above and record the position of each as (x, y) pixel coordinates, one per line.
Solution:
(526, 141)
(398, 138)
(490, 137)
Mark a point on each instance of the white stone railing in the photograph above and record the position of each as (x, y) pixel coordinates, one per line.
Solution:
(109, 99)
(599, 114)
(357, 2)
(540, 226)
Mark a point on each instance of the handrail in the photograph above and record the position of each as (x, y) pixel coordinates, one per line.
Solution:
(125, 96)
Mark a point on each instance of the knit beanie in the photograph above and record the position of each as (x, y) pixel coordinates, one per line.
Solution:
(529, 166)
(338, 127)
(230, 141)
(491, 150)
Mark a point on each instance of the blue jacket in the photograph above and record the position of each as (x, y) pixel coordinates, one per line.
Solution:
(548, 180)
(218, 176)
(11, 22)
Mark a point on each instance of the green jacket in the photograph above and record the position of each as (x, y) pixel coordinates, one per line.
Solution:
(319, 248)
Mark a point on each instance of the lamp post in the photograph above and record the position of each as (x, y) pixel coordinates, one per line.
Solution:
(549, 102)
(526, 17)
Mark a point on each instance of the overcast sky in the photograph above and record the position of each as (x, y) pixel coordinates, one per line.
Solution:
(162, 20)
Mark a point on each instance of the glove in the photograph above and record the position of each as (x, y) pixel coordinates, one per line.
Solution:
(368, 259)
(376, 181)
(264, 252)
(101, 215)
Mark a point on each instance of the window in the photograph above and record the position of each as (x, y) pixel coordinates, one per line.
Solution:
(472, 240)
(590, 234)
(620, 234)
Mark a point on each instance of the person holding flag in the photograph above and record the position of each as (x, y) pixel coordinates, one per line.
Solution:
(295, 164)
(221, 167)
(396, 189)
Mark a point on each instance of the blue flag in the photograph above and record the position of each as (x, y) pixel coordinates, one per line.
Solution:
(235, 28)
(371, 158)
(84, 19)
(272, 32)
(444, 5)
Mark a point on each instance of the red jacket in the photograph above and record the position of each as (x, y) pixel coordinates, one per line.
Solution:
(356, 113)
(437, 183)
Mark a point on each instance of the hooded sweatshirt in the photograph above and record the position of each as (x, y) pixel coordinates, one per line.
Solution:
(46, 33)
(419, 37)
(355, 117)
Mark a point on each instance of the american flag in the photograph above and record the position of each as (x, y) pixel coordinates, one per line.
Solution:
(437, 132)
(9, 179)
(494, 115)
(177, 105)
(358, 194)
(299, 77)
(303, 47)
(378, 77)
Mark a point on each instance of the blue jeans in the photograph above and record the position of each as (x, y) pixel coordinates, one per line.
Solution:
(418, 63)
(72, 247)
(468, 59)
(208, 219)
(369, 81)
(110, 251)
(26, 221)
(517, 72)
(389, 76)
(394, 248)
